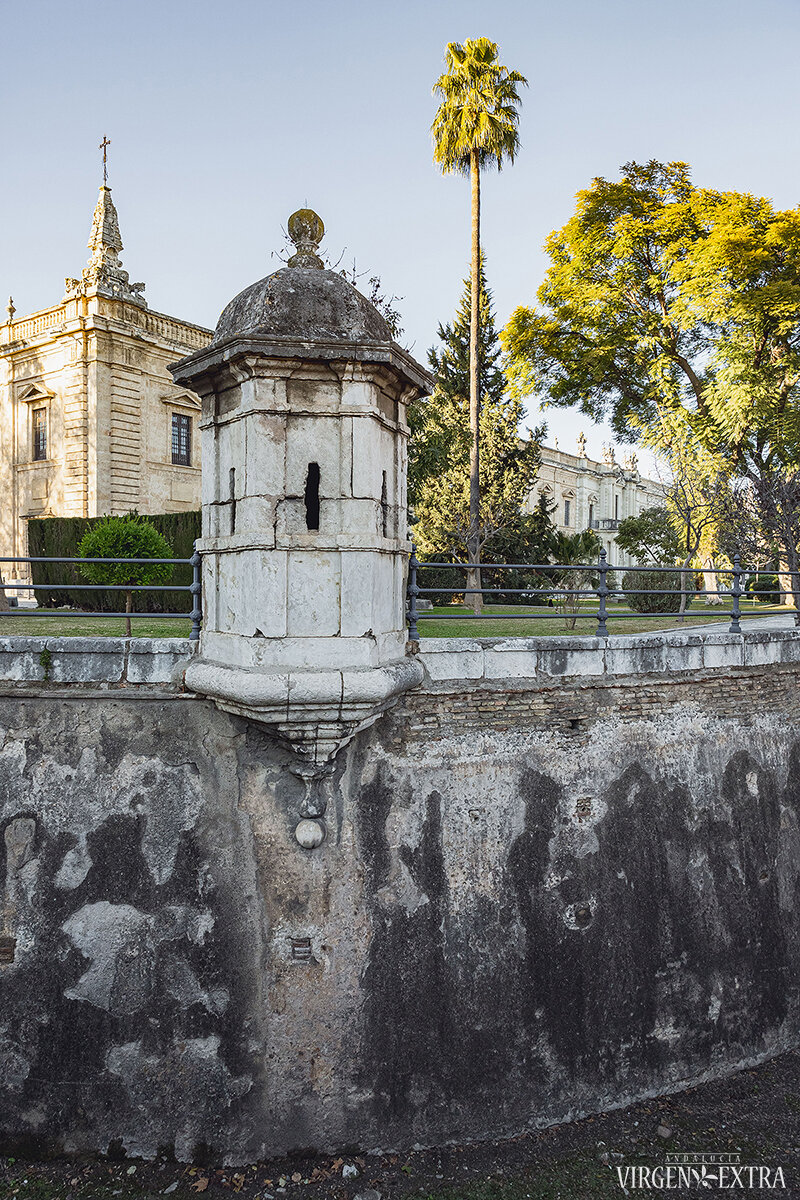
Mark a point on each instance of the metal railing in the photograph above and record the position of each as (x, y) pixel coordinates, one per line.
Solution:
(194, 588)
(598, 589)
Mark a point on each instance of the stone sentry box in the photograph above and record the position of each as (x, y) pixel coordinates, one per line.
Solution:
(304, 505)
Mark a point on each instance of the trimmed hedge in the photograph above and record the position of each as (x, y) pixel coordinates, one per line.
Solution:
(667, 581)
(49, 537)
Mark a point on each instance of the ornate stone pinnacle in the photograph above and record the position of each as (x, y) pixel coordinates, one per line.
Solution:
(105, 271)
(104, 240)
(10, 309)
(306, 230)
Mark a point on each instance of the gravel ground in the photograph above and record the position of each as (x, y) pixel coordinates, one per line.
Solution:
(754, 1114)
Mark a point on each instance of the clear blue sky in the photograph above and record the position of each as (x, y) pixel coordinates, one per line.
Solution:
(225, 117)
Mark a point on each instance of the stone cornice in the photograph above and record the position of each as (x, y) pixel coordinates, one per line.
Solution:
(227, 352)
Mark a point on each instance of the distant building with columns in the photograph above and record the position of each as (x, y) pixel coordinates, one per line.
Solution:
(90, 419)
(594, 495)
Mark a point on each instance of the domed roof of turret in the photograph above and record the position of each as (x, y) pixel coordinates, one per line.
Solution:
(304, 303)
(302, 311)
(303, 300)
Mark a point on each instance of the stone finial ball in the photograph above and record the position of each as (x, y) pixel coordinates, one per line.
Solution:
(306, 224)
(306, 231)
(309, 834)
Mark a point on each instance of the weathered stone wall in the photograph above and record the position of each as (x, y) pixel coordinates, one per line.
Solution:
(577, 895)
(127, 1012)
(536, 899)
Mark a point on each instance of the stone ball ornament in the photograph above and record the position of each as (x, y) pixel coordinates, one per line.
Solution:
(306, 230)
(309, 834)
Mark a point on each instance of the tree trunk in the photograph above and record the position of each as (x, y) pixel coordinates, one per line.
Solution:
(684, 589)
(128, 610)
(711, 582)
(787, 587)
(793, 564)
(473, 537)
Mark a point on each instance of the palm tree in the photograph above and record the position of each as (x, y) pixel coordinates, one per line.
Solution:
(474, 128)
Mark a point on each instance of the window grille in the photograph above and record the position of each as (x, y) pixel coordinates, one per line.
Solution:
(39, 434)
(181, 440)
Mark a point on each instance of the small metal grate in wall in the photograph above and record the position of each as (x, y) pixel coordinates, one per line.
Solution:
(301, 949)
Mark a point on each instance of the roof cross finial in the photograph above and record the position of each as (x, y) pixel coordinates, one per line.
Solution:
(106, 142)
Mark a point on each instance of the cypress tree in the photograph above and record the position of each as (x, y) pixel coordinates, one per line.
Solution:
(440, 447)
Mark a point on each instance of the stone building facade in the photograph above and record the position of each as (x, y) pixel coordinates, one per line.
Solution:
(594, 495)
(90, 420)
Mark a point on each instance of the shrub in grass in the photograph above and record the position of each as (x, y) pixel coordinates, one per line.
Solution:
(451, 581)
(764, 588)
(639, 586)
(130, 536)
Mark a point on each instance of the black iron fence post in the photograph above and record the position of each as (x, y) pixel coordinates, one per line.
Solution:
(196, 589)
(602, 592)
(413, 592)
(736, 592)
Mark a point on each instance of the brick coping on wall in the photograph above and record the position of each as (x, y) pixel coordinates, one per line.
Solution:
(570, 710)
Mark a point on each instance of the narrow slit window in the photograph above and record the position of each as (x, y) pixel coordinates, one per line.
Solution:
(566, 512)
(384, 509)
(39, 434)
(181, 440)
(312, 496)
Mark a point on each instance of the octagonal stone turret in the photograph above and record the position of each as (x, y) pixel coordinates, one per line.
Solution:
(304, 504)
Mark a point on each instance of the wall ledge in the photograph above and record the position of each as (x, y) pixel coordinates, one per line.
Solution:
(538, 661)
(52, 664)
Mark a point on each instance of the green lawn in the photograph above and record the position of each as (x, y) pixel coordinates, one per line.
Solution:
(44, 622)
(524, 622)
(620, 620)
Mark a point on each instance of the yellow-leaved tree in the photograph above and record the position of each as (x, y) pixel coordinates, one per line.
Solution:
(663, 298)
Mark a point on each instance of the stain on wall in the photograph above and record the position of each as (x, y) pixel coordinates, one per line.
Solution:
(130, 1012)
(563, 922)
